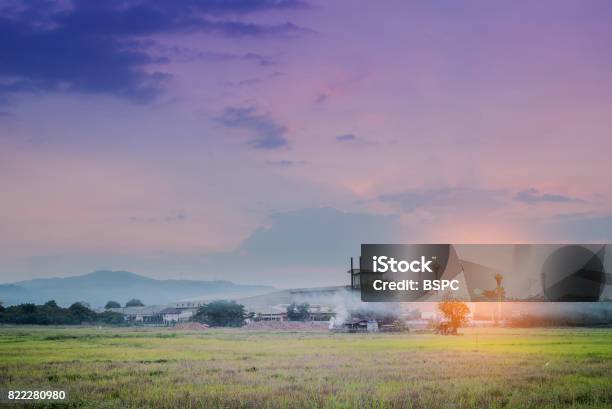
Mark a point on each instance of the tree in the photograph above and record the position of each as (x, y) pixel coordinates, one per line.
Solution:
(81, 314)
(112, 304)
(298, 312)
(221, 313)
(134, 302)
(501, 293)
(456, 315)
(51, 304)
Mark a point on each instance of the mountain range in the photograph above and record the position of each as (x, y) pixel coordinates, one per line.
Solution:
(98, 287)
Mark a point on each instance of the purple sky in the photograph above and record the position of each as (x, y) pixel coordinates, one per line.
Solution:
(262, 141)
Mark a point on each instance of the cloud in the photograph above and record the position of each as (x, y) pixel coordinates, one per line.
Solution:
(352, 139)
(243, 83)
(260, 59)
(268, 134)
(533, 196)
(240, 29)
(68, 61)
(346, 138)
(173, 218)
(318, 233)
(285, 163)
(321, 98)
(313, 237)
(190, 54)
(252, 81)
(443, 198)
(91, 46)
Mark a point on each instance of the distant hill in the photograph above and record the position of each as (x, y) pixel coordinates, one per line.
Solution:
(13, 294)
(100, 286)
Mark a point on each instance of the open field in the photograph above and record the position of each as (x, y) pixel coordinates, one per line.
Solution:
(485, 368)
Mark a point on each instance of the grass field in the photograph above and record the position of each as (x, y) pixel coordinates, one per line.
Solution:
(485, 368)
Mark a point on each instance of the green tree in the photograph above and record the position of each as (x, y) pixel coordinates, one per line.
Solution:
(112, 304)
(298, 312)
(134, 302)
(51, 304)
(221, 313)
(455, 315)
(51, 314)
(81, 314)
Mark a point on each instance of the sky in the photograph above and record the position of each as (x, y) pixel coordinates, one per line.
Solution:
(262, 141)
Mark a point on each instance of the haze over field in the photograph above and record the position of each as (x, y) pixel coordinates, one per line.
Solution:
(264, 141)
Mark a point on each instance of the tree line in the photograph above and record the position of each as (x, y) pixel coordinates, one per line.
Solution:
(52, 314)
(225, 313)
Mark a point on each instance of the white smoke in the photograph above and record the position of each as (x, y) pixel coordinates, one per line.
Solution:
(347, 304)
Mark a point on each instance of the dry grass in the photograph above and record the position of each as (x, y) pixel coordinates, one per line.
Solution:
(493, 368)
